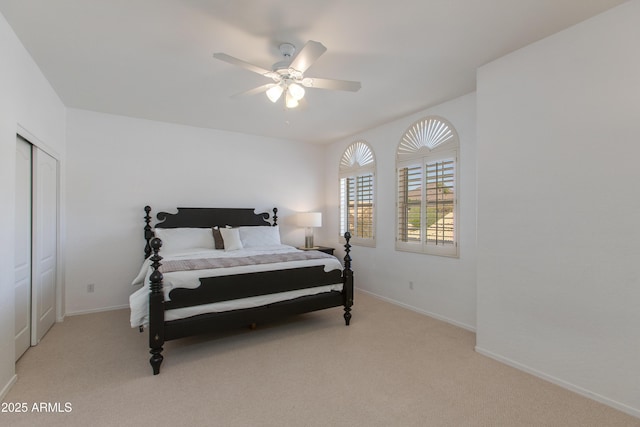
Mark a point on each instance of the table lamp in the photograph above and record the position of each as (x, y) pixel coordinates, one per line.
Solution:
(309, 220)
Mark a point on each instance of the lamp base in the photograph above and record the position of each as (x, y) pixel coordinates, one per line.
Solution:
(308, 242)
(308, 238)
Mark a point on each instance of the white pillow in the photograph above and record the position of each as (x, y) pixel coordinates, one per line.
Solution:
(231, 237)
(176, 240)
(255, 236)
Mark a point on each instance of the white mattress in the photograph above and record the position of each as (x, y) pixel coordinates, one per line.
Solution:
(139, 300)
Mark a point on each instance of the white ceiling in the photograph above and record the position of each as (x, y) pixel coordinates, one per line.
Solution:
(152, 59)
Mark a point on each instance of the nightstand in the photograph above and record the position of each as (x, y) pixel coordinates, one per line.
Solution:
(325, 249)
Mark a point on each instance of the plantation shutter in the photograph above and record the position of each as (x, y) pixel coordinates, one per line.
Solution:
(351, 202)
(440, 202)
(345, 204)
(364, 203)
(410, 203)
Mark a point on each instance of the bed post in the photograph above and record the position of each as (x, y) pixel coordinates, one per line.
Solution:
(156, 309)
(275, 216)
(148, 234)
(347, 277)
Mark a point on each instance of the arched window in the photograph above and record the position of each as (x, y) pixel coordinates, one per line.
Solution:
(357, 193)
(427, 209)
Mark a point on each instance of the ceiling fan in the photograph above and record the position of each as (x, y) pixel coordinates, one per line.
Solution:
(288, 75)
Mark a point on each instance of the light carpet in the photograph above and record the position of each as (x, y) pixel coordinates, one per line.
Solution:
(391, 367)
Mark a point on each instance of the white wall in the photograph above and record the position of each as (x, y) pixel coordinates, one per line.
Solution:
(27, 100)
(443, 287)
(559, 208)
(557, 292)
(117, 165)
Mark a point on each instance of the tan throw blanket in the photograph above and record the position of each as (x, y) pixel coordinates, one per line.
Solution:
(210, 263)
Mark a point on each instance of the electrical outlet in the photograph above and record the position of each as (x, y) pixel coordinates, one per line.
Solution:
(411, 285)
(91, 287)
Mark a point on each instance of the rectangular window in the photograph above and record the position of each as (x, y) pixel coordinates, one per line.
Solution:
(427, 207)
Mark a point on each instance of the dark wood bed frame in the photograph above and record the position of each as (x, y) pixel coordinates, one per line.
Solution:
(226, 288)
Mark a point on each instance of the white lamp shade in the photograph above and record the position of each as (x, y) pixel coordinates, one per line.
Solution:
(290, 101)
(309, 219)
(296, 91)
(274, 92)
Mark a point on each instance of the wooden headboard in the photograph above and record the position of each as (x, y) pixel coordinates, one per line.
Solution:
(205, 218)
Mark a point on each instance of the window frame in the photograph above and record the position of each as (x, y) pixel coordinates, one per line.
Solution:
(350, 168)
(419, 153)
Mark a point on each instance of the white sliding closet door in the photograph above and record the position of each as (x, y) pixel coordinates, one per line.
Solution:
(23, 247)
(45, 243)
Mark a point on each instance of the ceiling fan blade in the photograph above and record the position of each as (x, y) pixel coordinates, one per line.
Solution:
(331, 84)
(240, 63)
(307, 56)
(255, 90)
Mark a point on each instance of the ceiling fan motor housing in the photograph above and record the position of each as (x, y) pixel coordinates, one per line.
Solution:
(287, 50)
(281, 68)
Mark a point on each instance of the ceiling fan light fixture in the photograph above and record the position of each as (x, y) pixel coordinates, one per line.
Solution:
(290, 101)
(296, 91)
(274, 93)
(288, 75)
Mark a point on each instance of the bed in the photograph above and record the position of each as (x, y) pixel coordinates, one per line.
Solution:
(213, 269)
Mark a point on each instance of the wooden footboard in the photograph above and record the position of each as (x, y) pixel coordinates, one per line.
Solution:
(238, 286)
(224, 321)
(161, 330)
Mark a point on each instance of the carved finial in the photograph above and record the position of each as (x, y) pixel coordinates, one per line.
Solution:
(156, 244)
(275, 216)
(148, 234)
(347, 249)
(156, 276)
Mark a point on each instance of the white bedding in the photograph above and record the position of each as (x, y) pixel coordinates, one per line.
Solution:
(139, 300)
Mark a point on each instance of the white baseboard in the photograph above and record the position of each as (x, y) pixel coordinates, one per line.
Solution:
(564, 384)
(96, 310)
(7, 387)
(418, 310)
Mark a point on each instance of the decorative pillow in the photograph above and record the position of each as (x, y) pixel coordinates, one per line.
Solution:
(231, 237)
(254, 236)
(175, 240)
(217, 238)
